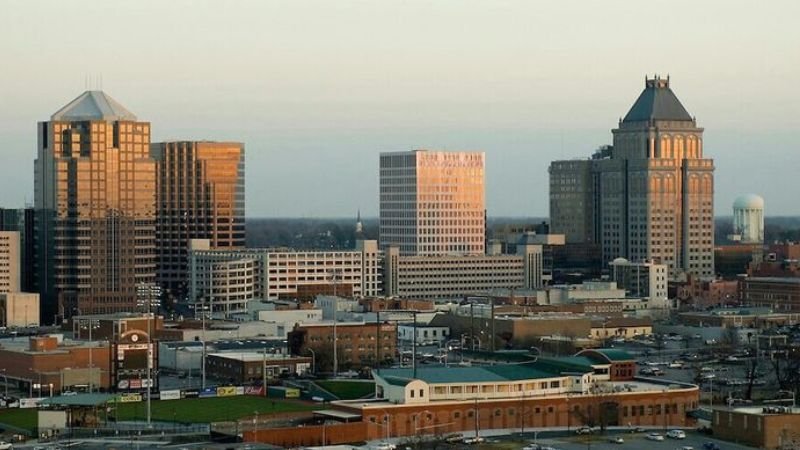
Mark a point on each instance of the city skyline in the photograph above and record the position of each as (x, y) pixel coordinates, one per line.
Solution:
(338, 89)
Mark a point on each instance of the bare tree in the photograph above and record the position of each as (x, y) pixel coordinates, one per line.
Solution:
(786, 364)
(729, 340)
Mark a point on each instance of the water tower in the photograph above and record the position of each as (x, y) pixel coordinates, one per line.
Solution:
(748, 218)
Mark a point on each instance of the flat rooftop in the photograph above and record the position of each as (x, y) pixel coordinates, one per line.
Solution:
(254, 356)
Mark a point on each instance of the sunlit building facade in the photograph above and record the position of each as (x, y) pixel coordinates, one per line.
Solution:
(432, 202)
(200, 195)
(653, 190)
(95, 201)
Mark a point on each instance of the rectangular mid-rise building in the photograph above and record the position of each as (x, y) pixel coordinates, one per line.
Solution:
(228, 279)
(433, 202)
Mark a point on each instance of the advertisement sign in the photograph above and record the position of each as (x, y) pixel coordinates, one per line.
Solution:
(226, 391)
(254, 390)
(190, 393)
(239, 390)
(174, 394)
(29, 402)
(130, 398)
(208, 392)
(135, 383)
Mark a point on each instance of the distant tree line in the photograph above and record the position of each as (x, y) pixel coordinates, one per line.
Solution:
(306, 234)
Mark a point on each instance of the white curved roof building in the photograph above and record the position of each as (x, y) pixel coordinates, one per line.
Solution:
(748, 218)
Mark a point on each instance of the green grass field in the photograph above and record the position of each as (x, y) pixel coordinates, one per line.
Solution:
(206, 410)
(21, 418)
(348, 390)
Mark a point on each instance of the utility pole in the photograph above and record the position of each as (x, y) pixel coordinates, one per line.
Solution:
(493, 331)
(335, 279)
(472, 325)
(414, 346)
(264, 371)
(146, 291)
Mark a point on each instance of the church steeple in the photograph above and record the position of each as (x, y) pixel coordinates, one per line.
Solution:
(359, 225)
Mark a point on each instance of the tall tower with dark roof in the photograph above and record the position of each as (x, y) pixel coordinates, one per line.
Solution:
(650, 196)
(656, 191)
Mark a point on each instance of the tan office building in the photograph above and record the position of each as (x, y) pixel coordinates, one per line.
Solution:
(9, 261)
(19, 309)
(200, 195)
(432, 203)
(95, 192)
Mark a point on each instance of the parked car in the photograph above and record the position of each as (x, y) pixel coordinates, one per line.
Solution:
(384, 446)
(676, 434)
(6, 445)
(710, 446)
(616, 440)
(454, 438)
(584, 430)
(474, 440)
(655, 437)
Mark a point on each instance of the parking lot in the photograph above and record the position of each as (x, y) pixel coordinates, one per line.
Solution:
(632, 441)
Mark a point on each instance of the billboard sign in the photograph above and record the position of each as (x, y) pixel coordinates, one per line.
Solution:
(208, 392)
(174, 394)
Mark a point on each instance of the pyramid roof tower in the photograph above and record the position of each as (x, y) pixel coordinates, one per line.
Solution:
(93, 105)
(657, 102)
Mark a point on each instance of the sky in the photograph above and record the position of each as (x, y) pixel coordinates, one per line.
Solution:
(317, 89)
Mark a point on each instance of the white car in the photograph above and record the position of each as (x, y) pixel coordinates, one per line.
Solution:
(6, 445)
(676, 434)
(474, 440)
(655, 437)
(616, 440)
(384, 446)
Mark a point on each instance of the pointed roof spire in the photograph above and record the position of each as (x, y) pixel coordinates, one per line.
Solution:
(657, 102)
(93, 105)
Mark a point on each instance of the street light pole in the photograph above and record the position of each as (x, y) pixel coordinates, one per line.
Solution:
(313, 360)
(203, 354)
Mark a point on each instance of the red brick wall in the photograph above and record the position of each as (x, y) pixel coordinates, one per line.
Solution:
(310, 435)
(540, 412)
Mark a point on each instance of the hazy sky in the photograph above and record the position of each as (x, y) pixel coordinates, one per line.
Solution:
(317, 89)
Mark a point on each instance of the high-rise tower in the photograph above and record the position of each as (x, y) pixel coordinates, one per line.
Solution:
(95, 201)
(653, 191)
(432, 203)
(200, 195)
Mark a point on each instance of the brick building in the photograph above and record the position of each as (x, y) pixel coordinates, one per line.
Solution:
(705, 293)
(517, 331)
(251, 367)
(49, 360)
(622, 366)
(550, 392)
(394, 304)
(771, 427)
(782, 294)
(358, 344)
(111, 326)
